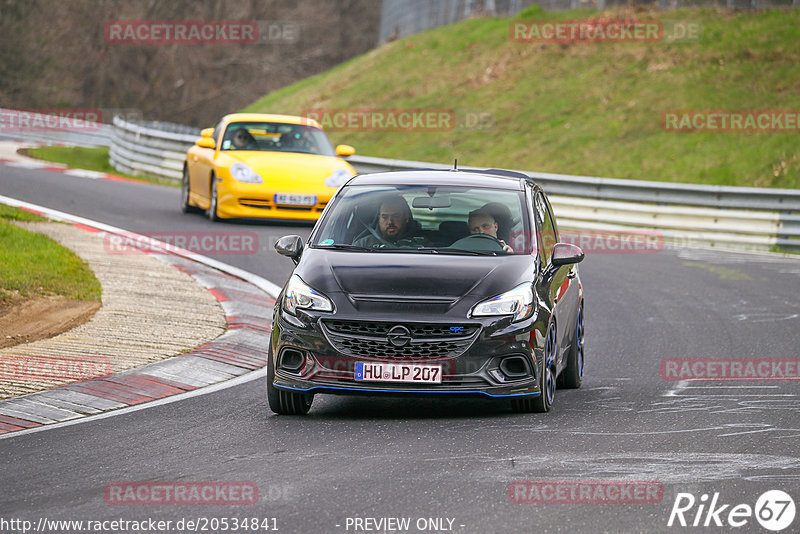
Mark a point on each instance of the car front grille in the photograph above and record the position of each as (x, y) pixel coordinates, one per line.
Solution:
(370, 339)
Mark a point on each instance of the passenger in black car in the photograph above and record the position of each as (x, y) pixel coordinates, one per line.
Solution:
(395, 222)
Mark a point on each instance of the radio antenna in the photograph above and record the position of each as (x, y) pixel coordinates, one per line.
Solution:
(455, 164)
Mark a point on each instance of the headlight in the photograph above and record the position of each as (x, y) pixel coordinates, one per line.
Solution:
(517, 302)
(299, 295)
(245, 174)
(337, 178)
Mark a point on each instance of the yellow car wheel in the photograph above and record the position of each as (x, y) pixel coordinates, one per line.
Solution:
(212, 208)
(185, 192)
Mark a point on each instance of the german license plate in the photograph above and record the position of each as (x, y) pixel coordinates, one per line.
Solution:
(289, 199)
(398, 372)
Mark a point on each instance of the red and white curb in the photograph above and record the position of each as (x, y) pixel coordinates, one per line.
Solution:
(247, 300)
(25, 162)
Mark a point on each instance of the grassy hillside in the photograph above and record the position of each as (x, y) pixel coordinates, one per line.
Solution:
(582, 108)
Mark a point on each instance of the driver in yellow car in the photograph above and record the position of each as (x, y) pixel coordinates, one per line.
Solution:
(482, 222)
(242, 139)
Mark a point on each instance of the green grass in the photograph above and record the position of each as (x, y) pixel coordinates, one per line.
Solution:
(90, 159)
(8, 213)
(35, 265)
(583, 108)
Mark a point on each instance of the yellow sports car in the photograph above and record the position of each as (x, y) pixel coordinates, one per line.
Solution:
(259, 165)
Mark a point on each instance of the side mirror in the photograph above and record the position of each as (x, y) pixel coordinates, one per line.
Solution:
(207, 132)
(345, 150)
(566, 253)
(290, 246)
(206, 142)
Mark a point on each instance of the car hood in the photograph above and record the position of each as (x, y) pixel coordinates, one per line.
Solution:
(412, 275)
(300, 169)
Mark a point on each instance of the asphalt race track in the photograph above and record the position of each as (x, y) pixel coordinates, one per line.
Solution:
(356, 458)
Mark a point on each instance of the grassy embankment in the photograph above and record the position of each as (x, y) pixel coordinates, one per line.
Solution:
(34, 265)
(583, 108)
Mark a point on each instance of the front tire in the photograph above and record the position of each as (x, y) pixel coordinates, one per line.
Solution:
(285, 402)
(186, 190)
(547, 380)
(212, 208)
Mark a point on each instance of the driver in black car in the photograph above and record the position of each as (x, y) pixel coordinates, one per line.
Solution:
(395, 223)
(483, 222)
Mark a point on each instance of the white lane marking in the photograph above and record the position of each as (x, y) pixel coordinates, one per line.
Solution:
(731, 387)
(765, 317)
(23, 164)
(714, 395)
(82, 173)
(677, 389)
(262, 283)
(751, 432)
(242, 379)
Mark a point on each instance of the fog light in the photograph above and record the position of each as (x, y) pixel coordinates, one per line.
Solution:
(291, 360)
(515, 367)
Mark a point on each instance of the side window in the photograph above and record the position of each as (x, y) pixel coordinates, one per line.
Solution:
(544, 221)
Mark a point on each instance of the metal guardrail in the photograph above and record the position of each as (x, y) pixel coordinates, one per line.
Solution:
(716, 196)
(687, 214)
(22, 125)
(155, 148)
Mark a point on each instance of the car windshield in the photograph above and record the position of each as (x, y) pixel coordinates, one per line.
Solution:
(276, 137)
(427, 219)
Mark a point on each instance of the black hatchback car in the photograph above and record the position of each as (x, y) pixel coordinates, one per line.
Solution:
(430, 282)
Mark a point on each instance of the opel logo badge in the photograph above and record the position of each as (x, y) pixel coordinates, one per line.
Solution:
(399, 336)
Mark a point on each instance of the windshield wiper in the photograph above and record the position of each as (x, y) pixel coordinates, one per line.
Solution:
(344, 246)
(459, 251)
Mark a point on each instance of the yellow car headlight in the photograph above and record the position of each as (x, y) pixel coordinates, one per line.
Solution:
(243, 173)
(337, 178)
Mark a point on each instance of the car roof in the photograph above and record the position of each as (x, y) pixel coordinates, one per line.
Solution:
(490, 178)
(269, 117)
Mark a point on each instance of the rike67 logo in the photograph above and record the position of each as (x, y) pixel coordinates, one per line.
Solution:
(774, 510)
